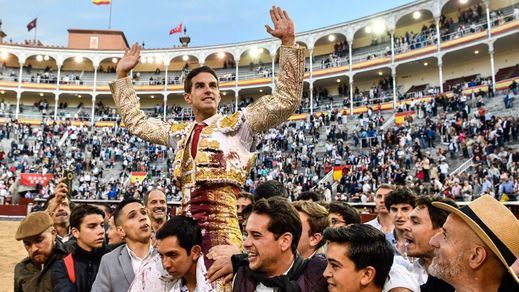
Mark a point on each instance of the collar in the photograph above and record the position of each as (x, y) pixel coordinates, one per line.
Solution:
(211, 120)
(134, 256)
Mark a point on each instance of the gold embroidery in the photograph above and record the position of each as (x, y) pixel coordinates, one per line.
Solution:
(176, 128)
(135, 120)
(229, 122)
(272, 110)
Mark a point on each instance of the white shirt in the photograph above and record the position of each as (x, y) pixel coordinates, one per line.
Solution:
(136, 261)
(400, 277)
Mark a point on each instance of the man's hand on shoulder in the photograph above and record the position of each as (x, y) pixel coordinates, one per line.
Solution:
(284, 28)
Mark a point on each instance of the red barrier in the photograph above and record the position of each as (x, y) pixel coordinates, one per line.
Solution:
(13, 210)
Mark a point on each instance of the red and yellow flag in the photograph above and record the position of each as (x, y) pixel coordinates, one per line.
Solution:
(101, 2)
(137, 177)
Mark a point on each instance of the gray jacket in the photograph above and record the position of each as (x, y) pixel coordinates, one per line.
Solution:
(115, 272)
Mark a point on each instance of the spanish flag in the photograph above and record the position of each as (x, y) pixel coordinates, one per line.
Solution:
(101, 2)
(137, 177)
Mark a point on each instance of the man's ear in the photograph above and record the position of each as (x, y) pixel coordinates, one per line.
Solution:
(315, 239)
(121, 231)
(285, 241)
(75, 232)
(196, 250)
(368, 275)
(187, 98)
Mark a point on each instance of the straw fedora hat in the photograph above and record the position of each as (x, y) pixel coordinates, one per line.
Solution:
(494, 223)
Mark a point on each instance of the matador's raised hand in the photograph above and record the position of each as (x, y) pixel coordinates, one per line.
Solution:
(283, 26)
(128, 61)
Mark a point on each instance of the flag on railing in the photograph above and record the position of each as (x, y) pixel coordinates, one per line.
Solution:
(177, 29)
(32, 24)
(101, 2)
(137, 177)
(32, 179)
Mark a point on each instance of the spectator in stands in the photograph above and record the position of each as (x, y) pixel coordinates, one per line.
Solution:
(342, 214)
(156, 206)
(359, 258)
(424, 222)
(38, 234)
(273, 233)
(118, 267)
(78, 270)
(314, 219)
(477, 247)
(383, 221)
(400, 203)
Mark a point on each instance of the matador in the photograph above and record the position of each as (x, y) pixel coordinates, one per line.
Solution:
(215, 153)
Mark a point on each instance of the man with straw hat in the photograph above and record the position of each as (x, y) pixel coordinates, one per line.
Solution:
(477, 246)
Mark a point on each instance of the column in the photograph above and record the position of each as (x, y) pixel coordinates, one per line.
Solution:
(94, 89)
(236, 95)
(392, 48)
(311, 80)
(18, 97)
(92, 120)
(165, 90)
(351, 94)
(440, 71)
(311, 97)
(492, 66)
(489, 23)
(19, 91)
(393, 75)
(59, 76)
(350, 64)
(438, 34)
(56, 100)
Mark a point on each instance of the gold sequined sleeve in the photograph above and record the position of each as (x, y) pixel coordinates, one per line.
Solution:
(134, 119)
(272, 110)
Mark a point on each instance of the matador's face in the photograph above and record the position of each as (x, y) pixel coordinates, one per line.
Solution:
(205, 95)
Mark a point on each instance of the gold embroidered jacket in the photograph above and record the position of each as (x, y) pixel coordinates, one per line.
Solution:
(225, 153)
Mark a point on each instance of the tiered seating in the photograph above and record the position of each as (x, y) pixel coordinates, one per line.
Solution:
(447, 86)
(508, 72)
(417, 88)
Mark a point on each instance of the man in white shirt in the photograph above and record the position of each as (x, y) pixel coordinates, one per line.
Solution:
(179, 264)
(119, 267)
(383, 221)
(424, 222)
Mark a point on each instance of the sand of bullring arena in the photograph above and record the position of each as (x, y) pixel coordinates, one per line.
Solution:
(11, 252)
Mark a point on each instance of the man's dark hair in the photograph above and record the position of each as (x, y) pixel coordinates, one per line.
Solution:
(283, 218)
(120, 206)
(147, 195)
(246, 195)
(80, 212)
(309, 196)
(437, 215)
(401, 195)
(186, 230)
(188, 85)
(349, 214)
(47, 203)
(270, 189)
(367, 246)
